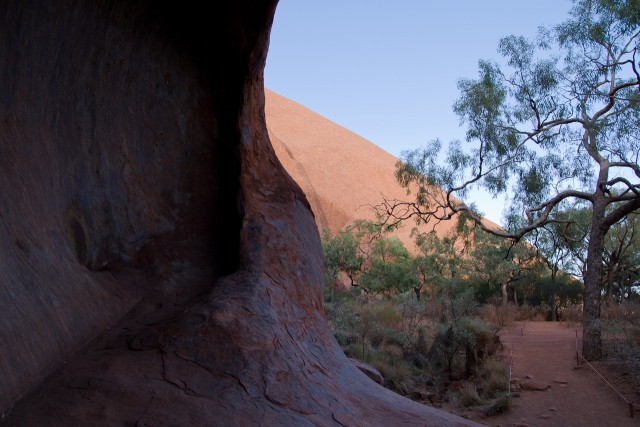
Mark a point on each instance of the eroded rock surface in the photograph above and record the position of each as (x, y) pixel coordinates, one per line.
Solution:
(157, 265)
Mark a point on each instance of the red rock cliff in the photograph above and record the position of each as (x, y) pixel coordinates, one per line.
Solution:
(157, 265)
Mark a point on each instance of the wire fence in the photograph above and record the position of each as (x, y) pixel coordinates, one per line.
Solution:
(510, 372)
(579, 360)
(580, 357)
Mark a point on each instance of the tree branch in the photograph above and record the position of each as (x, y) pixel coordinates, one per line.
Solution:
(618, 180)
(620, 212)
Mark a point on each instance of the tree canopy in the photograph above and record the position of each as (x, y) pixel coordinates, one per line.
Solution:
(555, 121)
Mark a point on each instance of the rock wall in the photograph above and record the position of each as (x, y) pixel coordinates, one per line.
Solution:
(157, 265)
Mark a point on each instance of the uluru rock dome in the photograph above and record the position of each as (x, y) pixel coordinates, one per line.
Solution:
(343, 175)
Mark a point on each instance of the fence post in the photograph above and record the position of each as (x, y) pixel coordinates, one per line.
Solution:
(510, 369)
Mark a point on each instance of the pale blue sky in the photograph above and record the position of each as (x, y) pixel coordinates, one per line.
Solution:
(387, 70)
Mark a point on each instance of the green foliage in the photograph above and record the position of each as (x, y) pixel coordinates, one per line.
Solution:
(391, 267)
(568, 292)
(501, 266)
(468, 396)
(495, 376)
(561, 105)
(368, 258)
(541, 122)
(564, 247)
(472, 335)
(396, 334)
(340, 255)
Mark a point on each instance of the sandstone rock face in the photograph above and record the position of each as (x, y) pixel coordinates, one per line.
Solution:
(157, 265)
(343, 175)
(368, 370)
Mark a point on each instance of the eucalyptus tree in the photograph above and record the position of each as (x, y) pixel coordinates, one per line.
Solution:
(349, 251)
(621, 259)
(555, 253)
(341, 255)
(620, 256)
(442, 260)
(501, 264)
(390, 267)
(557, 120)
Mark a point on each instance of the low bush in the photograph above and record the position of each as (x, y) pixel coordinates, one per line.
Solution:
(467, 396)
(475, 338)
(621, 330)
(415, 353)
(499, 316)
(495, 378)
(571, 315)
(500, 405)
(528, 313)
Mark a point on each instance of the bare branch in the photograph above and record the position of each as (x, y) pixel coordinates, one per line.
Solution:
(395, 212)
(633, 67)
(626, 164)
(621, 180)
(620, 212)
(617, 112)
(612, 98)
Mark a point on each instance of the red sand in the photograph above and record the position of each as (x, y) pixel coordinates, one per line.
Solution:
(577, 397)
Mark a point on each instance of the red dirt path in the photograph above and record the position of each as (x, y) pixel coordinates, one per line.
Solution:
(545, 351)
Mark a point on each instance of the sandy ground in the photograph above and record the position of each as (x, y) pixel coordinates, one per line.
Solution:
(545, 351)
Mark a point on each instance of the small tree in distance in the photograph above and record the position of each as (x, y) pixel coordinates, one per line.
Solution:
(554, 253)
(440, 260)
(548, 130)
(340, 255)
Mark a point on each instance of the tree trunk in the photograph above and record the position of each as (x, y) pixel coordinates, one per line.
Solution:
(554, 292)
(505, 293)
(591, 334)
(554, 307)
(505, 288)
(608, 295)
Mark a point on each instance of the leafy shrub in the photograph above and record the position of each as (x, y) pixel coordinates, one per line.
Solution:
(474, 336)
(480, 341)
(495, 377)
(499, 316)
(392, 345)
(385, 314)
(468, 396)
(345, 339)
(395, 370)
(358, 351)
(501, 405)
(528, 313)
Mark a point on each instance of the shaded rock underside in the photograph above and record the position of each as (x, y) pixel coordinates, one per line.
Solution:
(157, 265)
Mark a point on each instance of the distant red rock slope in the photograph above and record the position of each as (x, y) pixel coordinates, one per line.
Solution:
(342, 173)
